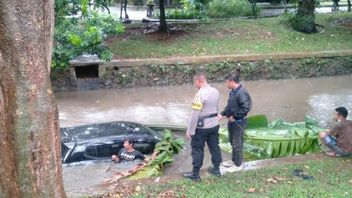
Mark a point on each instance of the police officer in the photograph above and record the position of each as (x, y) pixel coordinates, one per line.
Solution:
(204, 127)
(238, 106)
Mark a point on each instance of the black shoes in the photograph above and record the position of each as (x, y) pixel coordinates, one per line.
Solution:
(214, 171)
(191, 176)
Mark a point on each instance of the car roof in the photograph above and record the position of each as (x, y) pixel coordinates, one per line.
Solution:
(101, 130)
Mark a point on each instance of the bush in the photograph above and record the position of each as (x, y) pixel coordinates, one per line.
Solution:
(73, 37)
(303, 23)
(229, 8)
(186, 14)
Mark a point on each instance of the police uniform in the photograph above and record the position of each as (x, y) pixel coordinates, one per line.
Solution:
(204, 126)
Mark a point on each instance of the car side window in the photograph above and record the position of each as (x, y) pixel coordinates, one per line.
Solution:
(99, 150)
(91, 151)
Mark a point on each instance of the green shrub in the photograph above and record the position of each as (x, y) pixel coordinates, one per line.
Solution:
(106, 22)
(229, 8)
(74, 37)
(186, 14)
(191, 9)
(303, 23)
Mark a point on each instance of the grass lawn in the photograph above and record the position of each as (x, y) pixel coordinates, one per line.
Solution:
(235, 36)
(328, 177)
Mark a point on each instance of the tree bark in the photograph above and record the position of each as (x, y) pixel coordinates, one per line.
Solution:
(162, 24)
(30, 164)
(349, 5)
(304, 20)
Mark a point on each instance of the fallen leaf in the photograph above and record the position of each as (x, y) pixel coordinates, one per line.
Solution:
(271, 180)
(279, 178)
(350, 181)
(138, 188)
(289, 182)
(251, 190)
(157, 180)
(306, 166)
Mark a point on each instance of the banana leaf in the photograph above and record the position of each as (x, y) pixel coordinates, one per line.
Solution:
(310, 121)
(226, 147)
(257, 121)
(165, 150)
(150, 171)
(276, 139)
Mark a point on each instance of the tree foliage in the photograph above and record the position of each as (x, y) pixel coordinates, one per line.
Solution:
(80, 30)
(304, 20)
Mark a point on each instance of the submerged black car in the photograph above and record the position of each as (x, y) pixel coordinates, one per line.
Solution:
(100, 141)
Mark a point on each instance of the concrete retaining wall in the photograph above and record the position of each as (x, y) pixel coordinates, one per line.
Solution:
(179, 70)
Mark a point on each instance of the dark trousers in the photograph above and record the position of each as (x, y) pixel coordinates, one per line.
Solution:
(236, 131)
(211, 137)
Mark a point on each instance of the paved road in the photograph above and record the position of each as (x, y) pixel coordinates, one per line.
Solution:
(138, 13)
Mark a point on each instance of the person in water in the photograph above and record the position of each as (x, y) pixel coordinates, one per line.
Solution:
(339, 138)
(127, 153)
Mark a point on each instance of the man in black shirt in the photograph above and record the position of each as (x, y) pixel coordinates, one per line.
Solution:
(127, 153)
(238, 106)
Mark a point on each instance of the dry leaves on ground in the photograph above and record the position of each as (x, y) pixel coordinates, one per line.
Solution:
(251, 190)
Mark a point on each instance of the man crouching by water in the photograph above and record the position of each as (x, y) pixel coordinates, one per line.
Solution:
(339, 138)
(204, 127)
(127, 153)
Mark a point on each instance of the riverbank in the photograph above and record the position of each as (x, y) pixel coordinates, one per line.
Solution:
(141, 73)
(313, 175)
(290, 100)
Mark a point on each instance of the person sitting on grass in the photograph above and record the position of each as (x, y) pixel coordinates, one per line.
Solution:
(127, 153)
(339, 138)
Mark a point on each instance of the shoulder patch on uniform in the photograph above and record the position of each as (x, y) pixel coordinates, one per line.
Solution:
(197, 102)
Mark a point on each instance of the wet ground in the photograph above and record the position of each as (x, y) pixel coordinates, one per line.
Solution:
(287, 99)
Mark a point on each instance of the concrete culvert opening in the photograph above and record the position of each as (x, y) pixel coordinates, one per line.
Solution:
(89, 71)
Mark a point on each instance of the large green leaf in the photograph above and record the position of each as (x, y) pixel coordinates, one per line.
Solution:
(166, 150)
(277, 139)
(291, 148)
(146, 172)
(226, 146)
(310, 121)
(257, 121)
(283, 151)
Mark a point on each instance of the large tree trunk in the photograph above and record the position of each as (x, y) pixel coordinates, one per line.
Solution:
(162, 24)
(304, 21)
(30, 164)
(349, 5)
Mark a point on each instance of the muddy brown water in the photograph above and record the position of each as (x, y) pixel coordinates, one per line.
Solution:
(287, 99)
